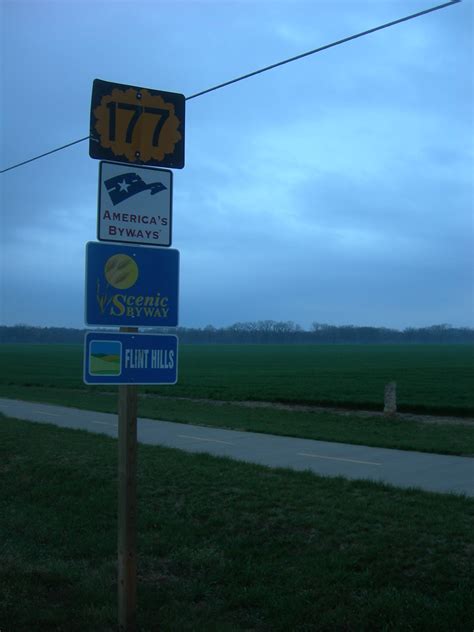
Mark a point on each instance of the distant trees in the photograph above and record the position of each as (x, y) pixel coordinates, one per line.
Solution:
(264, 332)
(356, 335)
(35, 335)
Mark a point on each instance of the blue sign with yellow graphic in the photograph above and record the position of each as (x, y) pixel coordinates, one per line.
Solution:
(131, 286)
(130, 358)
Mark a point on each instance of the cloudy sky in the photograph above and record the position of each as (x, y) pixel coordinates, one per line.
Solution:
(335, 189)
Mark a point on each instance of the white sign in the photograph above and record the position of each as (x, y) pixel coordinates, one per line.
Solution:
(134, 204)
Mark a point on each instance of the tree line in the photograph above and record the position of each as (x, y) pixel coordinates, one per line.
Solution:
(262, 332)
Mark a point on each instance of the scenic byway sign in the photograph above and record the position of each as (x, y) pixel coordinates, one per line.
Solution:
(137, 125)
(130, 358)
(131, 286)
(134, 204)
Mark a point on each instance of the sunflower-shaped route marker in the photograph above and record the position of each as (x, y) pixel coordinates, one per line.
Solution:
(137, 125)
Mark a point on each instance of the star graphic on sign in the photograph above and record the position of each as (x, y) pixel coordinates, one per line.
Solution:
(123, 185)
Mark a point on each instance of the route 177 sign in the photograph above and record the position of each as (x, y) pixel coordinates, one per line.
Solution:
(137, 125)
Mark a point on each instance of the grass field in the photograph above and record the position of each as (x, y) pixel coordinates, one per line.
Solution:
(110, 365)
(433, 378)
(223, 546)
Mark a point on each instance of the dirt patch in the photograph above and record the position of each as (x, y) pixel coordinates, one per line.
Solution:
(430, 419)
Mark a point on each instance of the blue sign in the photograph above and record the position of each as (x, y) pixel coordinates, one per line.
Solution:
(131, 286)
(126, 358)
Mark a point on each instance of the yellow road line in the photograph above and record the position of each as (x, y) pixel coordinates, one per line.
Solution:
(202, 439)
(335, 458)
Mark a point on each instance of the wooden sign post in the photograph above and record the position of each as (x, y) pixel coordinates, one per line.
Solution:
(127, 504)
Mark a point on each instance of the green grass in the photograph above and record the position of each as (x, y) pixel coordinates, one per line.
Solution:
(223, 546)
(435, 378)
(377, 432)
(110, 365)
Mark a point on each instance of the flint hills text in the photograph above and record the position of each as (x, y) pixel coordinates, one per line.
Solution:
(149, 359)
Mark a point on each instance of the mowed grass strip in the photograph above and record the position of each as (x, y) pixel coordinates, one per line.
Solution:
(222, 545)
(430, 378)
(372, 431)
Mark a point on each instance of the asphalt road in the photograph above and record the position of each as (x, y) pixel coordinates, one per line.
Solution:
(430, 472)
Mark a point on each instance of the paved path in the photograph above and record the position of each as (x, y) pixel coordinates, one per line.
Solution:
(431, 472)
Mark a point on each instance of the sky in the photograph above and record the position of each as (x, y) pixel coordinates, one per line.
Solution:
(336, 189)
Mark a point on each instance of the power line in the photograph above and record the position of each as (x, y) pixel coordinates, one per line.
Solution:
(321, 48)
(261, 70)
(74, 142)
